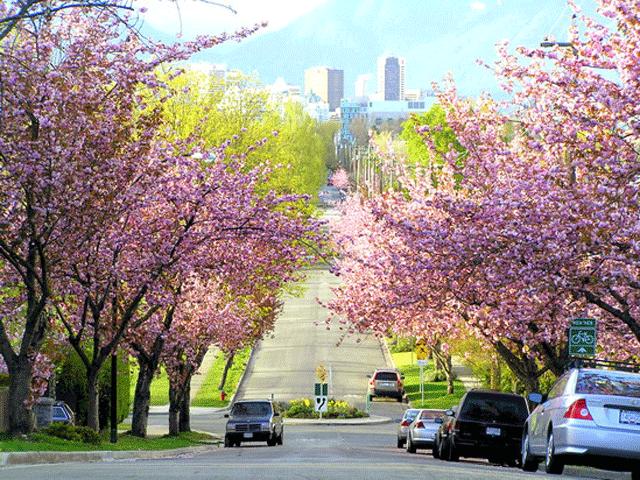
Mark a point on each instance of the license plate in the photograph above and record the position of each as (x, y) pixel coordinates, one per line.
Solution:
(248, 435)
(494, 432)
(630, 417)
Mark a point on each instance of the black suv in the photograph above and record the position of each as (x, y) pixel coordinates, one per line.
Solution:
(486, 424)
(253, 421)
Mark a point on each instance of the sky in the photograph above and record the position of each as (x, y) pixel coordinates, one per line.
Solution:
(434, 36)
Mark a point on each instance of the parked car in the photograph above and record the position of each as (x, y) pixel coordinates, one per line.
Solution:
(253, 421)
(422, 431)
(487, 424)
(62, 413)
(386, 383)
(407, 418)
(591, 416)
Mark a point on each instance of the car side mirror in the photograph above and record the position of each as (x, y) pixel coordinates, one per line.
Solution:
(536, 397)
(401, 377)
(226, 415)
(450, 413)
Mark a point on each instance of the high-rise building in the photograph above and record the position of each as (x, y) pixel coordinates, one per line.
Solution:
(327, 83)
(361, 85)
(391, 82)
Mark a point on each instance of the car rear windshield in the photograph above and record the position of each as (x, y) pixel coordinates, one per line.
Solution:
(604, 382)
(410, 414)
(386, 376)
(251, 409)
(431, 414)
(495, 407)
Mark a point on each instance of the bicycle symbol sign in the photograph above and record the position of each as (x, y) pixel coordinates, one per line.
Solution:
(583, 337)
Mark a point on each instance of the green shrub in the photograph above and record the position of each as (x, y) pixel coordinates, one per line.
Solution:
(435, 376)
(73, 433)
(71, 386)
(305, 408)
(4, 379)
(402, 344)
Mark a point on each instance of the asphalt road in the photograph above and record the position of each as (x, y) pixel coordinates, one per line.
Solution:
(284, 364)
(309, 452)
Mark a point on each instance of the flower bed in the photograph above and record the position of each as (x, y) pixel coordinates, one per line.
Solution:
(304, 408)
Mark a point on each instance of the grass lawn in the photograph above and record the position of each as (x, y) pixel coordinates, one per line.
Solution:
(159, 386)
(435, 393)
(41, 442)
(209, 395)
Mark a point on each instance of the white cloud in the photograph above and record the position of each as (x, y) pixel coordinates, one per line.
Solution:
(479, 6)
(194, 17)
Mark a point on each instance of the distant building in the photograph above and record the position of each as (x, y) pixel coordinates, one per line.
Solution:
(379, 112)
(362, 82)
(325, 82)
(391, 78)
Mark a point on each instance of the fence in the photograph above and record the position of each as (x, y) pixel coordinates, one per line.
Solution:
(4, 409)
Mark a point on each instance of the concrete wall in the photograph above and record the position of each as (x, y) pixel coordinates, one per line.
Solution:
(4, 409)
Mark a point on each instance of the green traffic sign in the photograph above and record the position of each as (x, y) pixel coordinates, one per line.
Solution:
(321, 389)
(583, 337)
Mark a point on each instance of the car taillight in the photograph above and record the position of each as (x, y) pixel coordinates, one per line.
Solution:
(406, 423)
(578, 410)
(419, 424)
(399, 384)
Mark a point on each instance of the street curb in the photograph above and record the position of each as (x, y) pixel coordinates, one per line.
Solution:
(386, 353)
(244, 374)
(35, 458)
(373, 420)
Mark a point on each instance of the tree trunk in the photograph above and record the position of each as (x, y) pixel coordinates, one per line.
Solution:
(174, 410)
(93, 400)
(227, 366)
(21, 419)
(448, 371)
(184, 422)
(142, 400)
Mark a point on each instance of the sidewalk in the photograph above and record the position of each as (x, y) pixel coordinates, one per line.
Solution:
(464, 374)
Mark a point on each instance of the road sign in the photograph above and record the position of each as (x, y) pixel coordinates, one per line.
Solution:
(322, 389)
(321, 373)
(583, 337)
(421, 350)
(322, 402)
(423, 363)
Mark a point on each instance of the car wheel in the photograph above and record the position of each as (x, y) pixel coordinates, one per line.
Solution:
(411, 448)
(453, 456)
(400, 443)
(528, 463)
(443, 453)
(635, 474)
(280, 438)
(435, 450)
(272, 442)
(400, 398)
(227, 442)
(370, 398)
(552, 464)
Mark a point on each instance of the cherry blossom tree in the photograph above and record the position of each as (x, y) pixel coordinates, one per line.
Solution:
(77, 153)
(525, 231)
(340, 179)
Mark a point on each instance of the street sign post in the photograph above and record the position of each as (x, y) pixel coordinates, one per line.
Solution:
(321, 397)
(583, 337)
(421, 355)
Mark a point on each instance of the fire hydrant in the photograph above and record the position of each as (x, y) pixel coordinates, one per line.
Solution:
(223, 395)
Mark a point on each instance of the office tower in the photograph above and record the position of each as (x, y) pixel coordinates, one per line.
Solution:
(391, 82)
(362, 83)
(327, 83)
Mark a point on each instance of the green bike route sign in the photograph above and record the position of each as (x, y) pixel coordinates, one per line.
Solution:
(583, 337)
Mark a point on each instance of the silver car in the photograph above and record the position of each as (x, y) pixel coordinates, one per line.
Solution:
(403, 427)
(591, 416)
(422, 431)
